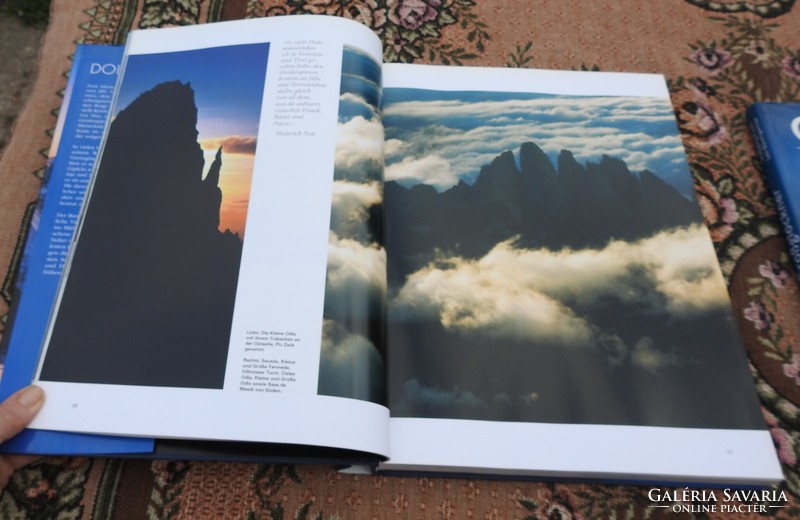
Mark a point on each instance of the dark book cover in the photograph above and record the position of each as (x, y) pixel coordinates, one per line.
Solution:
(776, 132)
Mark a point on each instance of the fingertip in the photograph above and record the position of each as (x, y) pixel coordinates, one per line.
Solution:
(30, 397)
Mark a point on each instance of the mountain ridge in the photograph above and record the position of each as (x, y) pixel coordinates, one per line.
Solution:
(567, 204)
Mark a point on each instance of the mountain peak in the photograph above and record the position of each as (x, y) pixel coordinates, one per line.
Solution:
(573, 205)
(534, 162)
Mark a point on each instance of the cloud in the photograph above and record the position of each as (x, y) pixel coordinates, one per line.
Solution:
(239, 204)
(359, 149)
(483, 298)
(394, 147)
(548, 297)
(688, 272)
(433, 170)
(647, 356)
(418, 398)
(462, 153)
(468, 135)
(350, 207)
(674, 271)
(232, 144)
(562, 107)
(350, 366)
(353, 104)
(356, 279)
(350, 262)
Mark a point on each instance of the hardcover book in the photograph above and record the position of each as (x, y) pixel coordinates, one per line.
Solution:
(776, 132)
(288, 243)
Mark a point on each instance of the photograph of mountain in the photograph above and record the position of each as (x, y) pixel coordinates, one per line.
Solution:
(150, 291)
(548, 262)
(351, 363)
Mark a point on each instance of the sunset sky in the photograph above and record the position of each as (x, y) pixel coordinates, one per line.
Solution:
(228, 83)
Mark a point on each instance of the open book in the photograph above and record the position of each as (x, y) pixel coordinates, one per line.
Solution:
(438, 269)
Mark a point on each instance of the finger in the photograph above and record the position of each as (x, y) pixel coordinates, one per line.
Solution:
(6, 470)
(18, 410)
(10, 464)
(19, 461)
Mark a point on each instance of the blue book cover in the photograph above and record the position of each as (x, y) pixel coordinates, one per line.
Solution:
(776, 131)
(79, 131)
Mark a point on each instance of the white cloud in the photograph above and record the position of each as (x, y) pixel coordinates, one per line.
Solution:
(356, 99)
(350, 206)
(394, 147)
(645, 355)
(687, 270)
(589, 127)
(350, 366)
(563, 107)
(354, 269)
(359, 149)
(545, 296)
(433, 170)
(477, 298)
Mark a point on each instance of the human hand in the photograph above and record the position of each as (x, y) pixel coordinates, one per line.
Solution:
(16, 413)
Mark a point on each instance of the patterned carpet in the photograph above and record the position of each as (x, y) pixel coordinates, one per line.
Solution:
(719, 57)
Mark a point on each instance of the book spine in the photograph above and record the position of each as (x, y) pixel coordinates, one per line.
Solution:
(775, 167)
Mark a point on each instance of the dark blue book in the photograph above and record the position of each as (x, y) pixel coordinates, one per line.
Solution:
(776, 131)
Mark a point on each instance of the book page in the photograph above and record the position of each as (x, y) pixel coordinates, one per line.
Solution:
(555, 303)
(196, 301)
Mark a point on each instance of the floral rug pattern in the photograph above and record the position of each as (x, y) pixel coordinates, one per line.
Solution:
(731, 54)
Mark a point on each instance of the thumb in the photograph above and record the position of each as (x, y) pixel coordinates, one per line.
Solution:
(19, 410)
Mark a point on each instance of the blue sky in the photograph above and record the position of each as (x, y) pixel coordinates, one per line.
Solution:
(360, 89)
(456, 133)
(228, 84)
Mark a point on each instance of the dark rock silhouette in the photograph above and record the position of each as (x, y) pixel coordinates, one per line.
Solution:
(150, 293)
(571, 205)
(213, 195)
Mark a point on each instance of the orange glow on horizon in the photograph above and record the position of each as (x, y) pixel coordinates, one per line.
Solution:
(234, 181)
